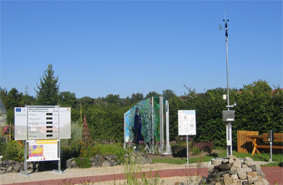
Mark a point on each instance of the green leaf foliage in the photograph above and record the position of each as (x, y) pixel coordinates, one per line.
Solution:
(48, 89)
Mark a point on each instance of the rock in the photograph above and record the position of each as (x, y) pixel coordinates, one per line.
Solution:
(98, 164)
(69, 163)
(245, 182)
(234, 177)
(242, 173)
(17, 167)
(222, 167)
(5, 162)
(113, 157)
(232, 157)
(233, 169)
(210, 169)
(227, 179)
(98, 157)
(126, 155)
(236, 182)
(249, 163)
(248, 159)
(9, 169)
(252, 177)
(253, 167)
(260, 173)
(231, 161)
(237, 163)
(225, 161)
(107, 158)
(92, 159)
(74, 163)
(113, 163)
(236, 172)
(106, 164)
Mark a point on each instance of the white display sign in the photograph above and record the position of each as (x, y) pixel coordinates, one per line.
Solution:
(43, 122)
(20, 116)
(43, 150)
(186, 122)
(34, 122)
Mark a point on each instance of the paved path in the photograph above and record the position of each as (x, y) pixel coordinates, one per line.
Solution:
(272, 174)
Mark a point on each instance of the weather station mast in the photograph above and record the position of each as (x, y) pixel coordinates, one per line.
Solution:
(228, 115)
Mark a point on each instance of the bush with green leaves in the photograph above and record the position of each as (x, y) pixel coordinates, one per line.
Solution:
(12, 150)
(71, 147)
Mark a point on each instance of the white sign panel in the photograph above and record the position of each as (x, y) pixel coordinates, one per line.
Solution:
(65, 122)
(43, 150)
(186, 122)
(20, 116)
(42, 122)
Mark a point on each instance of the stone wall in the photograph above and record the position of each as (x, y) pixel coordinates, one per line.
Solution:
(9, 166)
(235, 171)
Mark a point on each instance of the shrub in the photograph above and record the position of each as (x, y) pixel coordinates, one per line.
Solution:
(83, 162)
(203, 146)
(196, 150)
(208, 147)
(89, 151)
(71, 150)
(12, 150)
(179, 145)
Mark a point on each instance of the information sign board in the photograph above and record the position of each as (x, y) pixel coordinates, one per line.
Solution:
(43, 150)
(42, 122)
(186, 122)
(20, 116)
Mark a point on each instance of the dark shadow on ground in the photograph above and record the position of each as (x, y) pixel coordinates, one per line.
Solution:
(212, 154)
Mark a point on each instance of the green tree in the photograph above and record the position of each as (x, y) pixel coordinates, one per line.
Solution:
(27, 100)
(67, 98)
(152, 94)
(86, 100)
(136, 97)
(112, 98)
(48, 89)
(13, 99)
(168, 94)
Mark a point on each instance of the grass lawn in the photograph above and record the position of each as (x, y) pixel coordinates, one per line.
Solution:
(276, 158)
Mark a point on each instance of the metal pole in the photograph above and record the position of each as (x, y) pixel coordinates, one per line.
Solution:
(25, 164)
(227, 70)
(228, 126)
(59, 144)
(152, 125)
(270, 151)
(187, 149)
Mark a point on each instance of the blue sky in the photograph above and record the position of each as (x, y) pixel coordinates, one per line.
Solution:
(123, 47)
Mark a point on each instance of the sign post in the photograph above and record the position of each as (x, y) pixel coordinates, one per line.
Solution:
(187, 125)
(42, 127)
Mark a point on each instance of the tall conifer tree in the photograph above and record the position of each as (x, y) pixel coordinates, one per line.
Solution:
(48, 89)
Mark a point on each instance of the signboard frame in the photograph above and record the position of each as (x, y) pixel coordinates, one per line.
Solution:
(187, 125)
(43, 124)
(43, 150)
(186, 122)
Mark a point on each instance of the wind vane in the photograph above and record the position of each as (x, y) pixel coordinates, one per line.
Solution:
(226, 26)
